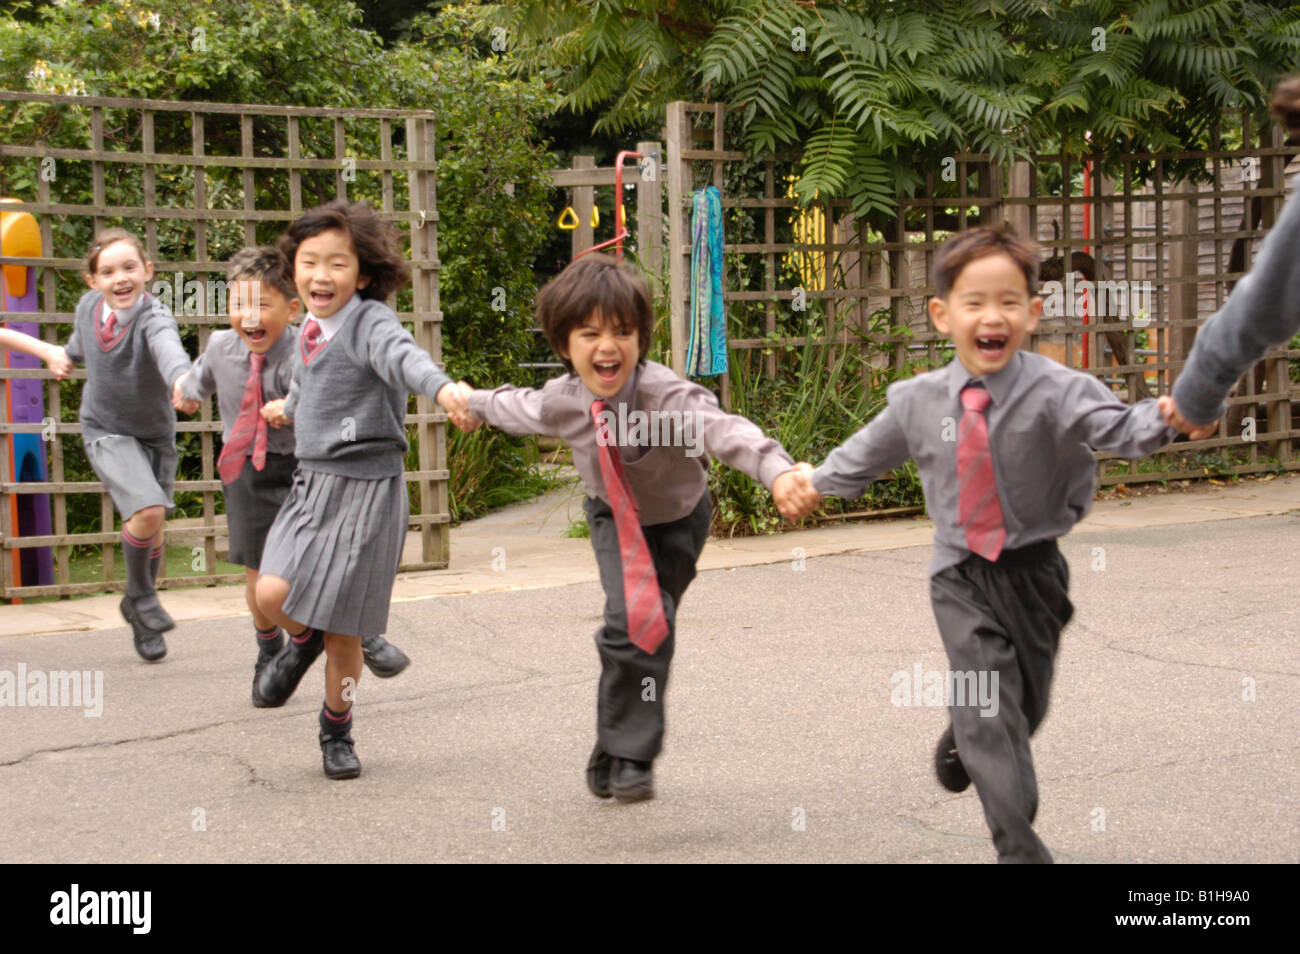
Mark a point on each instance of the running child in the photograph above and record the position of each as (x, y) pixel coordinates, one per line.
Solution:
(248, 365)
(1004, 442)
(647, 503)
(132, 350)
(331, 556)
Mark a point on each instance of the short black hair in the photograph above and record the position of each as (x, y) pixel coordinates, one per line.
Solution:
(965, 247)
(262, 263)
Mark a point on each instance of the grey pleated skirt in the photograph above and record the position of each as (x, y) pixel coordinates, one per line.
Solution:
(337, 541)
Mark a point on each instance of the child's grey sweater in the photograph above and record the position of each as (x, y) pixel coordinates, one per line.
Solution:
(348, 404)
(129, 382)
(1263, 310)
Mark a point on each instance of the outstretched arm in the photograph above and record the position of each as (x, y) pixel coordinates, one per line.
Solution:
(55, 358)
(1263, 310)
(1095, 416)
(874, 450)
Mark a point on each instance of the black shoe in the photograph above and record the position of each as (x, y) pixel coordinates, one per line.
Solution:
(631, 781)
(598, 767)
(276, 683)
(266, 651)
(382, 657)
(337, 752)
(947, 764)
(148, 642)
(148, 612)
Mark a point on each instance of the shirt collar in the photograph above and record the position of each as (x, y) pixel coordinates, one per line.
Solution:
(998, 384)
(330, 326)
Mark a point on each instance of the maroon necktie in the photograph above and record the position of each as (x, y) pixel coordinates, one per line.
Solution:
(646, 624)
(249, 430)
(311, 339)
(978, 507)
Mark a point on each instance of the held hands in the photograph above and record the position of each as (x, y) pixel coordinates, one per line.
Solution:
(57, 360)
(1174, 418)
(794, 494)
(180, 401)
(273, 413)
(454, 399)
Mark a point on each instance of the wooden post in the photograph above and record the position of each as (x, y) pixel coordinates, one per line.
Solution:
(584, 200)
(431, 445)
(650, 215)
(676, 135)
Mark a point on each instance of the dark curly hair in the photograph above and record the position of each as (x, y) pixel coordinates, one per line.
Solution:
(1286, 107)
(374, 240)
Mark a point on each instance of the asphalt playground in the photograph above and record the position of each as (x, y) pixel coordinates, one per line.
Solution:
(1170, 737)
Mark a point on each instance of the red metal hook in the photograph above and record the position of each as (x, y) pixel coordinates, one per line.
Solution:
(620, 226)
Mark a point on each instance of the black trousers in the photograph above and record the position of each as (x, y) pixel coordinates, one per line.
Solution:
(1005, 618)
(630, 698)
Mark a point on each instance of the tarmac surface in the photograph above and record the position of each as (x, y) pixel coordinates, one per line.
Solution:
(1171, 735)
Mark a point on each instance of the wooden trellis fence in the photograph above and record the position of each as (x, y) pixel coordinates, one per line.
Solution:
(197, 206)
(1189, 242)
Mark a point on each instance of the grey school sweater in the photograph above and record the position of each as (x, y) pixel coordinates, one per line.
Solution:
(129, 379)
(1263, 310)
(348, 404)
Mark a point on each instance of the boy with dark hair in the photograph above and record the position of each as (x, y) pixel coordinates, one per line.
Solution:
(248, 365)
(1017, 472)
(639, 436)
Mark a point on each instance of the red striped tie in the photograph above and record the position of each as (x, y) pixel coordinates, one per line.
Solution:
(978, 507)
(646, 624)
(249, 430)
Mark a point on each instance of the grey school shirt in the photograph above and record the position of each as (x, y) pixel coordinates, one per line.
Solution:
(1263, 310)
(1043, 422)
(224, 367)
(348, 404)
(128, 379)
(665, 428)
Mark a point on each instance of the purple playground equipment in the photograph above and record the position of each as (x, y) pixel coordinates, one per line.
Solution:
(25, 402)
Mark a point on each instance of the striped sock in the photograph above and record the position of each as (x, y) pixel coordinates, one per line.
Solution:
(155, 562)
(267, 635)
(136, 555)
(305, 635)
(338, 718)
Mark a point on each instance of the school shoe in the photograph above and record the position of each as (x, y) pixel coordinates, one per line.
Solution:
(266, 651)
(148, 612)
(276, 683)
(148, 642)
(337, 752)
(383, 658)
(947, 764)
(631, 781)
(598, 767)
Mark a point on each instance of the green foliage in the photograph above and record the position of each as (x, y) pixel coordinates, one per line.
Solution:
(821, 395)
(492, 189)
(871, 90)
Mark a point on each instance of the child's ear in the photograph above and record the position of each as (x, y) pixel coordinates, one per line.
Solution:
(938, 309)
(148, 271)
(90, 279)
(362, 281)
(1035, 313)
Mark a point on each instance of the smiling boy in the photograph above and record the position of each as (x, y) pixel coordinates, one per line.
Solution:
(1003, 440)
(648, 504)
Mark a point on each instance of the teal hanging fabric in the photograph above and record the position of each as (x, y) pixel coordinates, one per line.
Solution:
(706, 346)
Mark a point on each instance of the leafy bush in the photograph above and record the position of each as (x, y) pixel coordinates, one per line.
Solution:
(493, 193)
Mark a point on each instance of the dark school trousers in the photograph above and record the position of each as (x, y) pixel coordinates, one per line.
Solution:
(630, 698)
(1005, 618)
